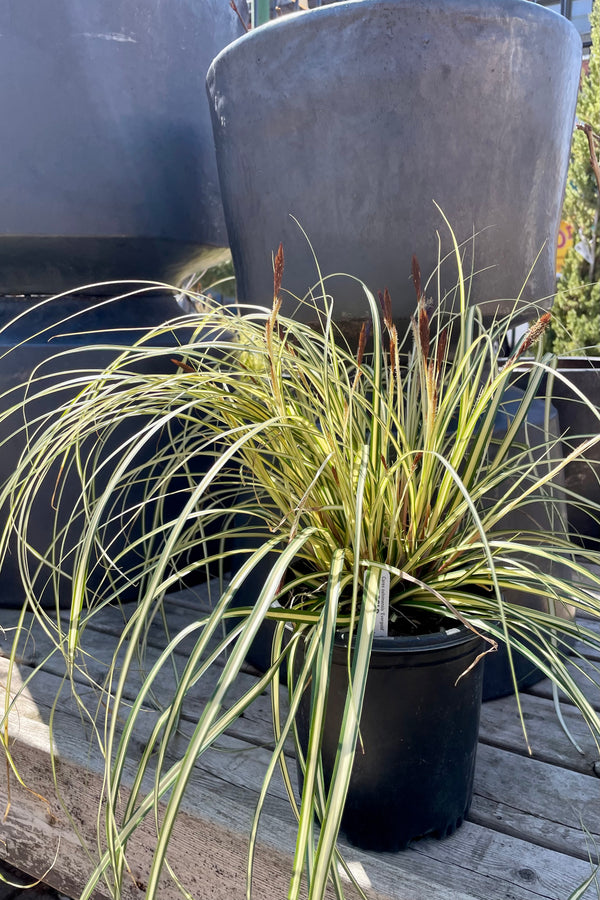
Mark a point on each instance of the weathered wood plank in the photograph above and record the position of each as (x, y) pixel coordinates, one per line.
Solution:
(544, 804)
(98, 647)
(210, 844)
(592, 625)
(443, 872)
(531, 815)
(510, 866)
(586, 675)
(522, 842)
(501, 727)
(212, 828)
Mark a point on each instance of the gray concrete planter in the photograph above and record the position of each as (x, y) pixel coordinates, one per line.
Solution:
(107, 159)
(356, 117)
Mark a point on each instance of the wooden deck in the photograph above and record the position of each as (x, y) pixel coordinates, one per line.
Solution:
(530, 834)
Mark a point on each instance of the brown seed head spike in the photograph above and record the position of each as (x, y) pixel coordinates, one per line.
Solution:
(534, 333)
(423, 330)
(387, 309)
(182, 365)
(362, 343)
(233, 5)
(278, 272)
(416, 275)
(393, 346)
(441, 349)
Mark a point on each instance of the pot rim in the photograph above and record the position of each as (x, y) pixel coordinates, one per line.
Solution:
(508, 10)
(454, 636)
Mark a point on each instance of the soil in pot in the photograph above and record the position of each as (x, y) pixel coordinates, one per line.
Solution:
(413, 774)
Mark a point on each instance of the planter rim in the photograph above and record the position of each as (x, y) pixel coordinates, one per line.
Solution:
(456, 635)
(568, 364)
(483, 10)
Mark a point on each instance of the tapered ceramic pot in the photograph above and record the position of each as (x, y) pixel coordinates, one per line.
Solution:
(413, 771)
(108, 166)
(356, 118)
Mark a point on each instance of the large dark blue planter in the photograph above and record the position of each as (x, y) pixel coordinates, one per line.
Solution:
(108, 165)
(356, 117)
(108, 173)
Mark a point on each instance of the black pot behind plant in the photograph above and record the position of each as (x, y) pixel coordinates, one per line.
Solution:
(413, 771)
(356, 117)
(577, 421)
(540, 517)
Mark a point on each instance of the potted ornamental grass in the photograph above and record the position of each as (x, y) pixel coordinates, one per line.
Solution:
(374, 481)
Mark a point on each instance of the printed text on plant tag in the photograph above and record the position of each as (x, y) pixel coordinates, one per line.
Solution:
(383, 606)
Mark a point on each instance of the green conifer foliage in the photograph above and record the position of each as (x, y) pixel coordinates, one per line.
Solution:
(576, 311)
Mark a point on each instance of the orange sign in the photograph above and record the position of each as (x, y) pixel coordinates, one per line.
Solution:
(565, 242)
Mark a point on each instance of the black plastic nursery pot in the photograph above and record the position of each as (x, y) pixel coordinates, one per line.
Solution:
(498, 678)
(413, 773)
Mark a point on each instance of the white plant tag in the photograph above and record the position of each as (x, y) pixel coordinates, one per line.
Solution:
(383, 606)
